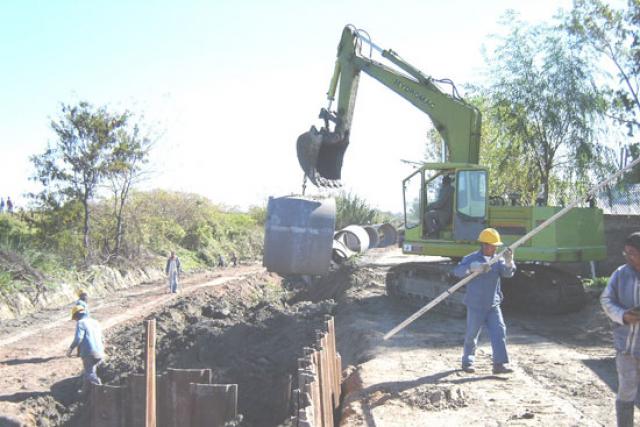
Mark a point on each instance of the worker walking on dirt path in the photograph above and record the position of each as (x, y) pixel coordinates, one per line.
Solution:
(621, 301)
(88, 338)
(483, 297)
(173, 271)
(83, 300)
(233, 259)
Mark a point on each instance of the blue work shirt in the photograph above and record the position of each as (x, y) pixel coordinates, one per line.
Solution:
(89, 338)
(484, 291)
(84, 304)
(621, 294)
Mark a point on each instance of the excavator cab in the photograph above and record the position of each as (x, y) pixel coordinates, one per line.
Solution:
(446, 203)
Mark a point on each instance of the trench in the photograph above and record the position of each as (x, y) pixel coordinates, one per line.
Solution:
(250, 333)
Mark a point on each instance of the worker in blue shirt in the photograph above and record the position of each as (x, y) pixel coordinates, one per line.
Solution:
(483, 297)
(83, 300)
(88, 338)
(621, 301)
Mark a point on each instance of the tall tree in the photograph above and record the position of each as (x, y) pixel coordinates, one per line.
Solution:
(543, 98)
(74, 166)
(125, 168)
(613, 34)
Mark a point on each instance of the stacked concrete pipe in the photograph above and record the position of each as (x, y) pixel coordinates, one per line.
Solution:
(357, 239)
(300, 238)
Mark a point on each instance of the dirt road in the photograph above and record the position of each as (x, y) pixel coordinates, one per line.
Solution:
(32, 360)
(564, 367)
(252, 335)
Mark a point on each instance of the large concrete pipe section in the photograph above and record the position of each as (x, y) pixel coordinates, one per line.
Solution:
(299, 235)
(374, 238)
(388, 235)
(340, 252)
(354, 237)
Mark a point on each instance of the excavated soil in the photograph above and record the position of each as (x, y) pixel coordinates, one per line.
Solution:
(252, 330)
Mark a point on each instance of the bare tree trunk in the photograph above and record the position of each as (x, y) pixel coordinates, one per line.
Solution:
(86, 229)
(124, 194)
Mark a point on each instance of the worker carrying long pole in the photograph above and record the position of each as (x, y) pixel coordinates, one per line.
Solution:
(483, 300)
(591, 193)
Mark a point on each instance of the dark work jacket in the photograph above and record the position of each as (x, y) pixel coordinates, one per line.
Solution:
(444, 205)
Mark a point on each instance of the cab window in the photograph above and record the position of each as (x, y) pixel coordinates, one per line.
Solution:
(471, 199)
(412, 190)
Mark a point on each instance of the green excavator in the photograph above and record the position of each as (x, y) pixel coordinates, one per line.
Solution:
(447, 204)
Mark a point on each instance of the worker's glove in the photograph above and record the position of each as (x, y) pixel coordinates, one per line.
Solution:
(69, 352)
(508, 257)
(479, 267)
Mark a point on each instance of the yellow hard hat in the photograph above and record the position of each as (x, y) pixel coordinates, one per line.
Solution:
(81, 291)
(490, 236)
(77, 309)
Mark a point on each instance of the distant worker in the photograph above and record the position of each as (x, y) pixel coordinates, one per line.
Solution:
(173, 271)
(440, 211)
(88, 338)
(483, 297)
(234, 260)
(83, 300)
(1, 204)
(9, 205)
(221, 262)
(620, 302)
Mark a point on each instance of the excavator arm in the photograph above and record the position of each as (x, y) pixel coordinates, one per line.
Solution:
(321, 152)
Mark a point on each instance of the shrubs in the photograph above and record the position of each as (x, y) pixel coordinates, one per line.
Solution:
(155, 223)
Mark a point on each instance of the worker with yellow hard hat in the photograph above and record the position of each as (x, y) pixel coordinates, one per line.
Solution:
(483, 297)
(83, 299)
(88, 338)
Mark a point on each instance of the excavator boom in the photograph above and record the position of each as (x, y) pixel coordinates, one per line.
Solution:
(321, 152)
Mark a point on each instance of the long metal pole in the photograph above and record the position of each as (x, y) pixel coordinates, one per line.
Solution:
(513, 246)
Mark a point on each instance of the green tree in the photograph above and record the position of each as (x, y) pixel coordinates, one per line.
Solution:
(351, 209)
(543, 100)
(73, 168)
(124, 170)
(613, 34)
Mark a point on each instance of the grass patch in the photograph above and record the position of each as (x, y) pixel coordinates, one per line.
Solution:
(597, 283)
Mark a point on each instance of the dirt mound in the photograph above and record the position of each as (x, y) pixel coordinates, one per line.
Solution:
(434, 397)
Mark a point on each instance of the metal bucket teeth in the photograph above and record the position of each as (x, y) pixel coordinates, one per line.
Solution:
(320, 155)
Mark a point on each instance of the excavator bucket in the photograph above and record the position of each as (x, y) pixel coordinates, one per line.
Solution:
(320, 154)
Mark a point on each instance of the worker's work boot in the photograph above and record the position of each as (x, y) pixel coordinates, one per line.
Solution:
(624, 413)
(469, 369)
(499, 368)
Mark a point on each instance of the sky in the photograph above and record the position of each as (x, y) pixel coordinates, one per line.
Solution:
(227, 86)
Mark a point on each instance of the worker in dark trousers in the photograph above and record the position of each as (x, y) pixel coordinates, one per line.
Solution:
(439, 211)
(483, 297)
(621, 301)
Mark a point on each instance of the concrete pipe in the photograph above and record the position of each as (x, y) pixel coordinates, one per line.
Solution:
(354, 237)
(374, 238)
(340, 252)
(388, 235)
(299, 235)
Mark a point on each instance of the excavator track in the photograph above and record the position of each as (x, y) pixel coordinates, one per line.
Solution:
(535, 288)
